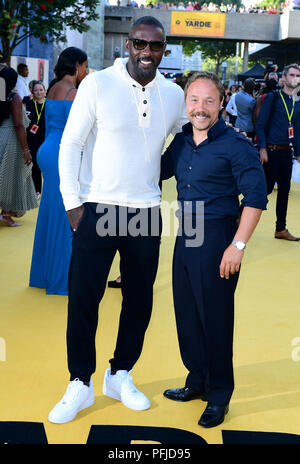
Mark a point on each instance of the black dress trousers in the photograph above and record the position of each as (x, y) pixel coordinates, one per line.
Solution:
(279, 169)
(91, 261)
(204, 309)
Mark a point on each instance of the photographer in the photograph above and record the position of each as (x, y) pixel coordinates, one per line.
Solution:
(270, 85)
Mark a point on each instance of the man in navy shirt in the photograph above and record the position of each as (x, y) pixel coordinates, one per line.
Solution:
(277, 130)
(212, 164)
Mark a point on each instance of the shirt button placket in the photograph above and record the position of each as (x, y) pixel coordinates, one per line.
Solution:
(145, 106)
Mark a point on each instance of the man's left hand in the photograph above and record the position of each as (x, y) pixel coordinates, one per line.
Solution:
(298, 158)
(231, 261)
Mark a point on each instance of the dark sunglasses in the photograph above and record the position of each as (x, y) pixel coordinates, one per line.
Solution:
(155, 45)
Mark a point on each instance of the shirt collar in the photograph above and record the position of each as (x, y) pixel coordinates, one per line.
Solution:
(214, 132)
(286, 95)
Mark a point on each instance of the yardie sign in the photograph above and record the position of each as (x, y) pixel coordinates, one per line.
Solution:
(198, 24)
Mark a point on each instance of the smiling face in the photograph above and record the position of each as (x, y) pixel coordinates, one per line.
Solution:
(203, 104)
(38, 92)
(142, 64)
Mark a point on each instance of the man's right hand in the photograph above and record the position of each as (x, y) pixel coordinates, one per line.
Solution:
(263, 155)
(75, 216)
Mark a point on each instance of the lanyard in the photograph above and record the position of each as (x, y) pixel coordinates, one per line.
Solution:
(289, 115)
(37, 113)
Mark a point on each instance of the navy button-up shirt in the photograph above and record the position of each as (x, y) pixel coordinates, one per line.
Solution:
(216, 171)
(272, 125)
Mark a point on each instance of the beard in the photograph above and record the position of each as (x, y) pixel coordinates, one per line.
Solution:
(293, 83)
(145, 73)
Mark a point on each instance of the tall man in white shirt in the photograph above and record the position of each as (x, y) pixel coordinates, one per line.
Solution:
(132, 109)
(22, 82)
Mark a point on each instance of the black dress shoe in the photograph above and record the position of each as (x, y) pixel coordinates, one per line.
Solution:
(114, 284)
(184, 394)
(213, 415)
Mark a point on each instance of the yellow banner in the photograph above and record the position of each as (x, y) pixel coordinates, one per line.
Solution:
(198, 24)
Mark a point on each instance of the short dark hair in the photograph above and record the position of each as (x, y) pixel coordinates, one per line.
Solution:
(288, 67)
(67, 60)
(21, 67)
(249, 84)
(206, 75)
(149, 21)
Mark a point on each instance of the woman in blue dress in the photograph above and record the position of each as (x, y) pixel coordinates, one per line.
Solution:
(53, 237)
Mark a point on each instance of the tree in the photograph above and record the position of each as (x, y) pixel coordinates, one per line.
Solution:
(45, 19)
(210, 65)
(218, 51)
(268, 3)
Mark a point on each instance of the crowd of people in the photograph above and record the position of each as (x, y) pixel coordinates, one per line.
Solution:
(102, 161)
(28, 134)
(211, 7)
(264, 110)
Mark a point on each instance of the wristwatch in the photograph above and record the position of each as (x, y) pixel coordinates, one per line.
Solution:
(239, 245)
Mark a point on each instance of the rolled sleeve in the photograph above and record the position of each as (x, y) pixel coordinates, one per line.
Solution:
(249, 175)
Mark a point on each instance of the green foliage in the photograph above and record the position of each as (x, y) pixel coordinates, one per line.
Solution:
(210, 65)
(268, 3)
(45, 19)
(217, 51)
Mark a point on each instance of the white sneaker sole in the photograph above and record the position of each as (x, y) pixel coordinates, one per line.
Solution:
(63, 420)
(137, 408)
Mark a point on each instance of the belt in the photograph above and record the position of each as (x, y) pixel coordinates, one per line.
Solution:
(278, 147)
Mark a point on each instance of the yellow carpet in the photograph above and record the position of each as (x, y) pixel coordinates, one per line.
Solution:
(33, 369)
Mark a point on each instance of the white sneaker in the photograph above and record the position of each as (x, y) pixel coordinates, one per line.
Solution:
(120, 387)
(77, 397)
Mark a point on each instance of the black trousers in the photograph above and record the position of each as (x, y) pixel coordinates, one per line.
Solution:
(91, 261)
(204, 310)
(279, 169)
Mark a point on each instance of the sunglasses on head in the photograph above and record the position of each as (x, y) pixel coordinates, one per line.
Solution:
(155, 45)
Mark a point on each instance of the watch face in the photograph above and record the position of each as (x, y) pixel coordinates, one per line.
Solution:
(239, 244)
